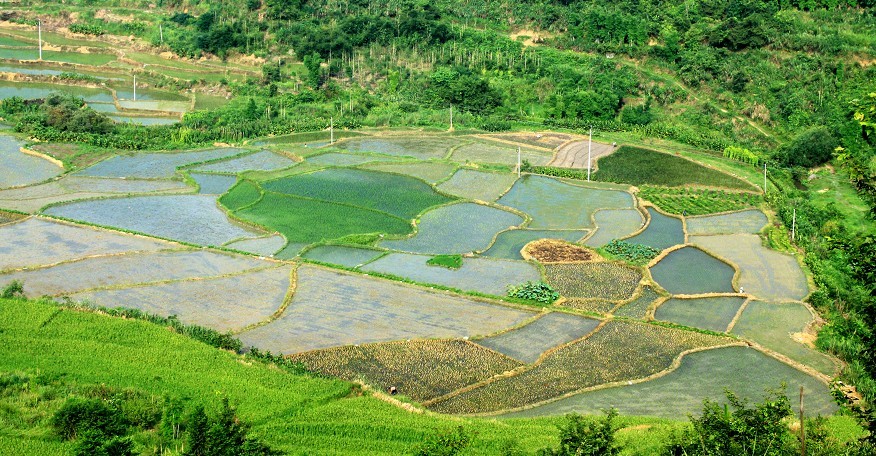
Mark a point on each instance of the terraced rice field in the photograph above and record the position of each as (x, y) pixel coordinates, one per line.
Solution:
(751, 221)
(620, 351)
(457, 228)
(705, 374)
(128, 269)
(263, 160)
(350, 257)
(431, 172)
(556, 205)
(765, 273)
(496, 152)
(331, 309)
(478, 185)
(213, 184)
(36, 242)
(264, 246)
(691, 271)
(782, 327)
(17, 168)
(529, 342)
(153, 165)
(246, 299)
(661, 233)
(509, 243)
(714, 313)
(419, 147)
(69, 188)
(575, 154)
(339, 159)
(420, 369)
(190, 218)
(614, 224)
(638, 308)
(483, 275)
(606, 281)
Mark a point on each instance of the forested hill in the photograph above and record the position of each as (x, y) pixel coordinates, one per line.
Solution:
(789, 84)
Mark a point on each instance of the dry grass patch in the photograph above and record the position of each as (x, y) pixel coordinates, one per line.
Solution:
(557, 251)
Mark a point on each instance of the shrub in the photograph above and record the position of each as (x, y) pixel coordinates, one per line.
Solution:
(586, 438)
(78, 417)
(630, 252)
(534, 291)
(444, 443)
(811, 148)
(446, 261)
(14, 289)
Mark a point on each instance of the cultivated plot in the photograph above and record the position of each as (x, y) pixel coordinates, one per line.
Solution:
(422, 147)
(341, 255)
(701, 375)
(529, 342)
(430, 172)
(751, 221)
(331, 308)
(714, 313)
(557, 205)
(213, 184)
(614, 224)
(189, 218)
(765, 273)
(495, 152)
(662, 232)
(36, 242)
(547, 140)
(781, 327)
(32, 91)
(478, 185)
(17, 168)
(619, 351)
(400, 196)
(71, 188)
(604, 280)
(341, 159)
(483, 275)
(419, 369)
(509, 243)
(259, 161)
(128, 269)
(245, 299)
(689, 270)
(457, 228)
(153, 165)
(638, 308)
(575, 154)
(119, 186)
(265, 246)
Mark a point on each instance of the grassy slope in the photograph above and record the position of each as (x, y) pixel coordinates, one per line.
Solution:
(293, 413)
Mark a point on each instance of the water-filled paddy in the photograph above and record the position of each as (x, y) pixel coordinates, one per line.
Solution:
(765, 273)
(18, 168)
(331, 309)
(36, 242)
(417, 147)
(774, 325)
(737, 222)
(478, 185)
(261, 161)
(94, 59)
(37, 90)
(476, 274)
(691, 271)
(213, 184)
(430, 172)
(529, 342)
(714, 313)
(706, 374)
(153, 165)
(509, 243)
(557, 205)
(244, 299)
(494, 152)
(264, 246)
(457, 228)
(189, 218)
(129, 269)
(614, 224)
(638, 308)
(661, 233)
(156, 105)
(342, 159)
(342, 255)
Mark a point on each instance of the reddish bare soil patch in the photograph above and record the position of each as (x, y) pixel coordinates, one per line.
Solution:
(556, 251)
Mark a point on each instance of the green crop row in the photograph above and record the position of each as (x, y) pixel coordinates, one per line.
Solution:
(698, 202)
(637, 166)
(622, 350)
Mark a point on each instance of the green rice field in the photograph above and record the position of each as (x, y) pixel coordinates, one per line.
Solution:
(478, 185)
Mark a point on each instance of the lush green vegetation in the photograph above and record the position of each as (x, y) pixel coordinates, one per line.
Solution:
(637, 166)
(446, 261)
(687, 201)
(539, 292)
(637, 254)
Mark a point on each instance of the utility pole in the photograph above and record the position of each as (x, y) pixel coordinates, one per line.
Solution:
(40, 37)
(518, 161)
(160, 33)
(764, 178)
(332, 130)
(135, 87)
(589, 147)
